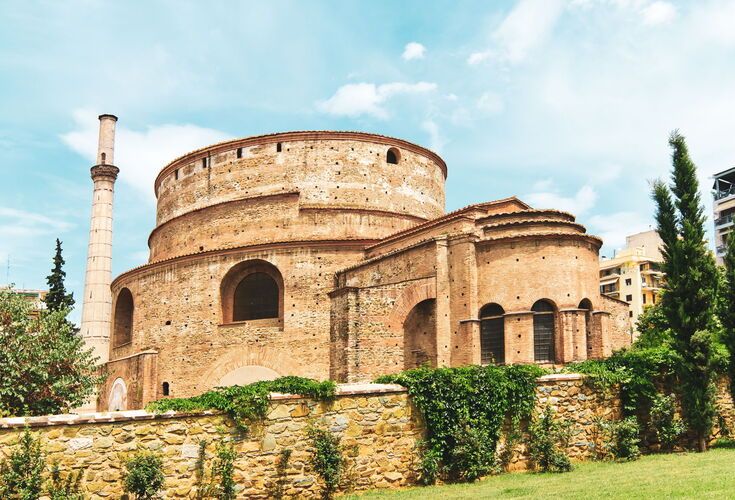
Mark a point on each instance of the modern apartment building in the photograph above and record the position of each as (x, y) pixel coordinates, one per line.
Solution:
(723, 207)
(633, 275)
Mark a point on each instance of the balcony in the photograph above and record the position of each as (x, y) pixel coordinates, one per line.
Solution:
(724, 221)
(723, 193)
(721, 250)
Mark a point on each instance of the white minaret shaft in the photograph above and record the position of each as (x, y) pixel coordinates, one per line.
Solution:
(97, 304)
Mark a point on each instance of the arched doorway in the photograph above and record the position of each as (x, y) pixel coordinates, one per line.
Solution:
(586, 306)
(543, 331)
(492, 334)
(419, 335)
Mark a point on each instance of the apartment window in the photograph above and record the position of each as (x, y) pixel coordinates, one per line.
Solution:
(628, 298)
(628, 281)
(644, 298)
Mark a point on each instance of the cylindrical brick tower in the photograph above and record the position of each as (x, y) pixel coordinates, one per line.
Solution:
(97, 304)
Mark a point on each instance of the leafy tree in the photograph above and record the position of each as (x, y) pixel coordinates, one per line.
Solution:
(653, 330)
(691, 285)
(20, 473)
(44, 368)
(57, 299)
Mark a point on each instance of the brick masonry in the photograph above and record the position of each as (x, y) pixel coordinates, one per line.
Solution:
(357, 244)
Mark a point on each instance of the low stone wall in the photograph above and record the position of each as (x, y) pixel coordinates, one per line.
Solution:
(378, 425)
(376, 421)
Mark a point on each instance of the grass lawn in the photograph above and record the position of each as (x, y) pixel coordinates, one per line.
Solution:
(679, 475)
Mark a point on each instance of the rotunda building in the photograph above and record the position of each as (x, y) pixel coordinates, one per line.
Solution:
(329, 254)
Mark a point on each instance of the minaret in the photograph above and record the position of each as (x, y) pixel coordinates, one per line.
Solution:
(97, 304)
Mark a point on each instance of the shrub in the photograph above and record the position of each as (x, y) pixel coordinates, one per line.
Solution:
(68, 488)
(249, 402)
(20, 473)
(222, 471)
(326, 458)
(144, 475)
(451, 400)
(664, 421)
(624, 438)
(547, 440)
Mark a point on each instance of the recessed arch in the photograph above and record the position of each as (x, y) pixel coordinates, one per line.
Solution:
(492, 334)
(244, 375)
(393, 156)
(118, 400)
(252, 290)
(544, 331)
(419, 335)
(123, 321)
(586, 306)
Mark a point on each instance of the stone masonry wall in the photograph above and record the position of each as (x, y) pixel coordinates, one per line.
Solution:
(378, 424)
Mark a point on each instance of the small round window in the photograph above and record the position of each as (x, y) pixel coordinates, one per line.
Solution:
(393, 156)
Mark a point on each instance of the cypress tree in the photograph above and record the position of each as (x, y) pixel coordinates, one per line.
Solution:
(691, 286)
(727, 310)
(57, 299)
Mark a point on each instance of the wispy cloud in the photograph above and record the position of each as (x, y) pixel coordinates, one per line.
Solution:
(140, 155)
(436, 140)
(355, 99)
(582, 201)
(658, 13)
(413, 50)
(524, 29)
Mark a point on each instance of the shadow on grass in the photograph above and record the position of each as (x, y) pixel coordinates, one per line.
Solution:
(723, 444)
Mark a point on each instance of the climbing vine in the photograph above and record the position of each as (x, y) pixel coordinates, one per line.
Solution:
(246, 403)
(464, 410)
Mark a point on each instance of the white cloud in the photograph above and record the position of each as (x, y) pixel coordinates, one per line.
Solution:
(581, 202)
(140, 155)
(614, 227)
(658, 13)
(436, 140)
(451, 97)
(355, 99)
(491, 103)
(413, 50)
(524, 29)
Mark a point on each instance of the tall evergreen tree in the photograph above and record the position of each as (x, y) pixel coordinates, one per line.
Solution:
(57, 299)
(691, 285)
(727, 309)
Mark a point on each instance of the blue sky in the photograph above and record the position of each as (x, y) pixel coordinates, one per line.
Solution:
(564, 103)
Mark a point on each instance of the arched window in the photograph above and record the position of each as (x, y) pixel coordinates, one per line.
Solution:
(419, 335)
(123, 326)
(104, 157)
(256, 297)
(166, 389)
(252, 290)
(492, 334)
(543, 331)
(393, 156)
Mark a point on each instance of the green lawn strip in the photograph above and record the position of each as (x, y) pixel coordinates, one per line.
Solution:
(680, 475)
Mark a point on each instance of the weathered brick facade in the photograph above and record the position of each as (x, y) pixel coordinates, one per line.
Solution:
(372, 276)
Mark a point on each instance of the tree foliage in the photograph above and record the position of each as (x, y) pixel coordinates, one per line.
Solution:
(144, 477)
(727, 314)
(44, 367)
(691, 286)
(57, 298)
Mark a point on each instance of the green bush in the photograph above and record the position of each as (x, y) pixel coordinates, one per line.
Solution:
(68, 488)
(547, 441)
(326, 458)
(664, 421)
(144, 477)
(246, 403)
(624, 438)
(222, 471)
(454, 399)
(20, 473)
